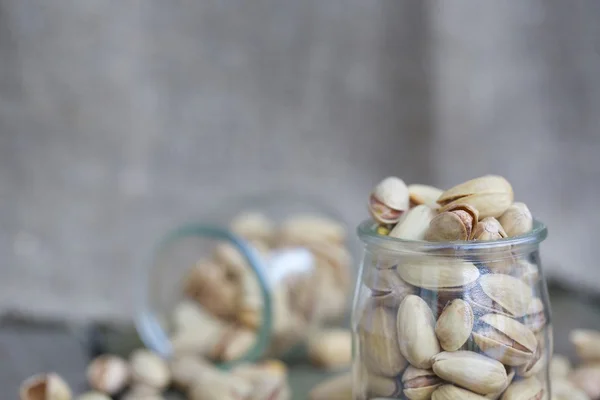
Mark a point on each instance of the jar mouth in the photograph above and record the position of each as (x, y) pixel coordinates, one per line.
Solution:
(368, 234)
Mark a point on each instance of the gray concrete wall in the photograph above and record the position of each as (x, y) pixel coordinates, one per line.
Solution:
(119, 119)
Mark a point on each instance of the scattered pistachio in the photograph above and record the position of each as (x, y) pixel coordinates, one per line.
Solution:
(108, 374)
(45, 387)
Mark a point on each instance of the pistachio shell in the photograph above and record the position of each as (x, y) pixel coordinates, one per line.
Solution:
(447, 227)
(505, 339)
(587, 344)
(488, 229)
(414, 223)
(512, 295)
(536, 363)
(393, 193)
(509, 379)
(527, 389)
(454, 325)
(379, 341)
(424, 194)
(516, 220)
(438, 273)
(488, 204)
(535, 319)
(527, 271)
(386, 286)
(416, 334)
(451, 392)
(470, 370)
(487, 184)
(382, 386)
(419, 384)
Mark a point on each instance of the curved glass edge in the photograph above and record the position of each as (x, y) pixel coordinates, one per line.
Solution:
(367, 233)
(151, 332)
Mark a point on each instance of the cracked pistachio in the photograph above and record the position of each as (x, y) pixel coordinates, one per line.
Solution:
(424, 194)
(389, 200)
(108, 373)
(454, 325)
(516, 220)
(491, 195)
(456, 223)
(419, 384)
(416, 332)
(45, 387)
(502, 294)
(488, 229)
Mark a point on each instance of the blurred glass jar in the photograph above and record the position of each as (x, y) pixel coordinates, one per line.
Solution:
(255, 279)
(452, 318)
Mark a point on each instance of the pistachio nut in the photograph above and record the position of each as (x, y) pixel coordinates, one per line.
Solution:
(587, 378)
(382, 385)
(45, 387)
(451, 392)
(562, 389)
(456, 223)
(560, 367)
(331, 348)
(414, 223)
(149, 369)
(387, 288)
(537, 362)
(336, 388)
(491, 195)
(502, 294)
(253, 225)
(535, 319)
(505, 339)
(470, 370)
(416, 332)
(488, 229)
(208, 284)
(438, 273)
(108, 373)
(389, 200)
(423, 194)
(516, 220)
(587, 344)
(527, 389)
(379, 341)
(303, 229)
(195, 330)
(454, 325)
(419, 384)
(93, 395)
(496, 395)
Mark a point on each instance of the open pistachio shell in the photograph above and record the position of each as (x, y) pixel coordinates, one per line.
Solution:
(488, 229)
(389, 200)
(505, 340)
(414, 223)
(516, 220)
(379, 341)
(503, 294)
(454, 325)
(536, 363)
(488, 204)
(438, 273)
(527, 389)
(419, 384)
(451, 392)
(416, 334)
(470, 370)
(424, 194)
(484, 185)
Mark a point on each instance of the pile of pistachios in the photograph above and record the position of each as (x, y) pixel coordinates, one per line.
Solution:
(222, 307)
(450, 323)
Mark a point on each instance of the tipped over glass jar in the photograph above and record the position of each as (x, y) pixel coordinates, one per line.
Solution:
(451, 302)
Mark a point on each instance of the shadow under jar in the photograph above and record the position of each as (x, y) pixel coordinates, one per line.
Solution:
(454, 320)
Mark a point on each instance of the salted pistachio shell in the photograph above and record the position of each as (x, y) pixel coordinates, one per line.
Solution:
(562, 389)
(537, 362)
(386, 286)
(587, 378)
(505, 339)
(379, 341)
(414, 223)
(419, 384)
(496, 395)
(382, 385)
(516, 220)
(535, 319)
(416, 332)
(389, 200)
(560, 367)
(438, 273)
(491, 195)
(470, 370)
(527, 389)
(423, 194)
(587, 344)
(45, 387)
(511, 295)
(488, 229)
(454, 325)
(451, 392)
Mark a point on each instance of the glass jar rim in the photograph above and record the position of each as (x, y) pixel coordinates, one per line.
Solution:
(367, 233)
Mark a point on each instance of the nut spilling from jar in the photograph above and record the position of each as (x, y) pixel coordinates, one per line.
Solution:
(463, 319)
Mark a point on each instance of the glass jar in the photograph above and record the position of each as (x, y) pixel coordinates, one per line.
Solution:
(452, 318)
(254, 278)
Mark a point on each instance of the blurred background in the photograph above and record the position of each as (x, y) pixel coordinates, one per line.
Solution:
(119, 120)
